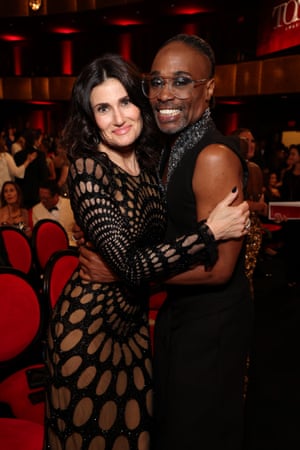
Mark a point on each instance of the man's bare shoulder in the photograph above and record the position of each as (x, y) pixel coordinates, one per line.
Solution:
(217, 155)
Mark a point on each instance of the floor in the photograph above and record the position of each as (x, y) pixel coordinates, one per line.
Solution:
(273, 402)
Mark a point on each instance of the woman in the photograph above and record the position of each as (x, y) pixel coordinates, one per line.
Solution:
(8, 168)
(61, 167)
(99, 356)
(256, 201)
(11, 212)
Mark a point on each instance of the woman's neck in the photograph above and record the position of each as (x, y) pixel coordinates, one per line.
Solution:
(125, 158)
(12, 208)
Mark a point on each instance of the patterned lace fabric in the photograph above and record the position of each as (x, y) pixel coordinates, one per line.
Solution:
(99, 395)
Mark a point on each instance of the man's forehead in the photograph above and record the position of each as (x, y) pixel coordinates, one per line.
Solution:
(178, 57)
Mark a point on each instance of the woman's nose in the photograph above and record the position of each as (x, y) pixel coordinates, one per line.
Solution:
(118, 116)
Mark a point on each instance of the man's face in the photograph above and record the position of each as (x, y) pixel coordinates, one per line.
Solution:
(47, 199)
(173, 114)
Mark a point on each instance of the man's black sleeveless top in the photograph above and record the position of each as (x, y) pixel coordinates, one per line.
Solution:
(182, 218)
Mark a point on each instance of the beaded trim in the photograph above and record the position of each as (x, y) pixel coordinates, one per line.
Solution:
(187, 139)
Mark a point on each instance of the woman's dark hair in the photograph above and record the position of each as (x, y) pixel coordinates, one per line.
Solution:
(81, 134)
(3, 202)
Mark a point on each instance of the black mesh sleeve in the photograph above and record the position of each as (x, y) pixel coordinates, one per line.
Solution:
(100, 217)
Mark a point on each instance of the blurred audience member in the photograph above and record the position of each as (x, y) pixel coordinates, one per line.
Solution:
(272, 191)
(53, 206)
(255, 198)
(10, 137)
(12, 212)
(19, 144)
(290, 191)
(288, 165)
(45, 147)
(8, 168)
(61, 164)
(37, 173)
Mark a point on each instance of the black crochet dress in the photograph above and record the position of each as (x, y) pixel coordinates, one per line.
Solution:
(99, 395)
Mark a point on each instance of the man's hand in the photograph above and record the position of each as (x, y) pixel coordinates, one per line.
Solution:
(93, 268)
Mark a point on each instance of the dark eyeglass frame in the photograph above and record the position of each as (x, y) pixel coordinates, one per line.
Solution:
(189, 81)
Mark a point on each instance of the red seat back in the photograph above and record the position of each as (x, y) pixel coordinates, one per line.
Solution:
(19, 434)
(48, 236)
(24, 392)
(58, 270)
(20, 317)
(16, 249)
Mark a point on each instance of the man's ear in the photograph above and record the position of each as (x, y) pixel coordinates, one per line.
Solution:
(210, 88)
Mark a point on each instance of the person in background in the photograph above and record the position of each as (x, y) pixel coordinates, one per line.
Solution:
(61, 165)
(53, 206)
(36, 173)
(8, 168)
(203, 329)
(272, 189)
(290, 192)
(11, 211)
(19, 144)
(98, 352)
(256, 201)
(10, 137)
(45, 147)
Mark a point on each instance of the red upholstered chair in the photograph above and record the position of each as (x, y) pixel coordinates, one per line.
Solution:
(58, 270)
(22, 371)
(16, 250)
(19, 434)
(48, 236)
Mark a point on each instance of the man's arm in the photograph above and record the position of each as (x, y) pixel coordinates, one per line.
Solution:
(217, 170)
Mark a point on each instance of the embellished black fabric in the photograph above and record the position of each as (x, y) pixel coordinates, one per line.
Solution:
(99, 394)
(187, 139)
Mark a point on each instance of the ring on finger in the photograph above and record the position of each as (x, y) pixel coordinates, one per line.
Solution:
(247, 224)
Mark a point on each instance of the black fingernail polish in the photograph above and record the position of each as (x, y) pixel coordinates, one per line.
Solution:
(234, 189)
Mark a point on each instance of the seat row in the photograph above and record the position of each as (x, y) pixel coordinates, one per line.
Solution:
(26, 306)
(30, 256)
(23, 320)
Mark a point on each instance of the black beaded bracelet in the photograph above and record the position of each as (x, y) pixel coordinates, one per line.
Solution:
(210, 242)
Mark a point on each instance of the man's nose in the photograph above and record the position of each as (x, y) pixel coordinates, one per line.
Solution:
(165, 91)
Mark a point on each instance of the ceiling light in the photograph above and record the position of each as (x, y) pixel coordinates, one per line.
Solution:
(35, 5)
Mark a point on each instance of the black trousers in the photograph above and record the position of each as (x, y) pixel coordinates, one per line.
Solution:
(199, 372)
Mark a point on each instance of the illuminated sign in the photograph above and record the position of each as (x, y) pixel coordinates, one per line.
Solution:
(279, 26)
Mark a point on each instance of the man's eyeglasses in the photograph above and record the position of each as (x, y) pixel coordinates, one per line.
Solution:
(181, 87)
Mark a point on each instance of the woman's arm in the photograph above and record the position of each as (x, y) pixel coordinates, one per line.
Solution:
(18, 171)
(135, 265)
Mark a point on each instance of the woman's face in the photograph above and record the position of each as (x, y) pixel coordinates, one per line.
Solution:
(273, 179)
(10, 194)
(119, 120)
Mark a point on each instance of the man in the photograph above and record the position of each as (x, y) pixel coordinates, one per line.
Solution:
(36, 173)
(202, 330)
(53, 206)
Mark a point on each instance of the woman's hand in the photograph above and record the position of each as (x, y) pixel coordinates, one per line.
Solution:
(93, 268)
(229, 222)
(77, 235)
